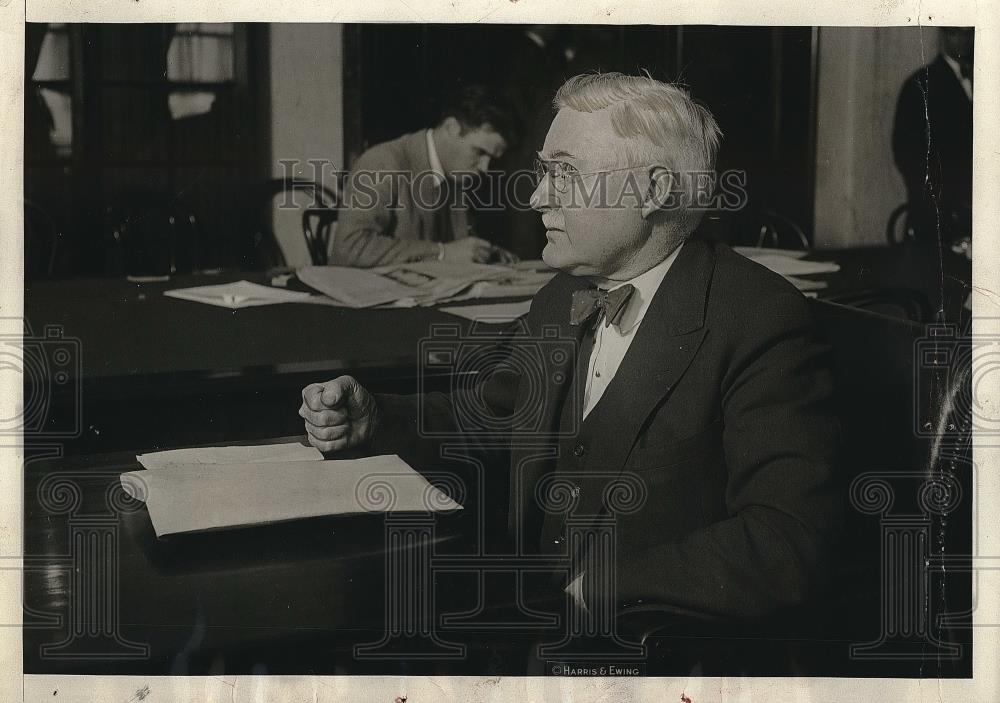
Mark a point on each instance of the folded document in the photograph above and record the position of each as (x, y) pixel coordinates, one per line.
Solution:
(184, 498)
(241, 294)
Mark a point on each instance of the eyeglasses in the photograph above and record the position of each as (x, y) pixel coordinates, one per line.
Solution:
(563, 173)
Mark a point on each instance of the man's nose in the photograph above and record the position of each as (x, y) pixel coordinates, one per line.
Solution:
(543, 197)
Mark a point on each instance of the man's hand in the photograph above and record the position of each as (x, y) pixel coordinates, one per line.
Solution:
(468, 249)
(502, 256)
(339, 414)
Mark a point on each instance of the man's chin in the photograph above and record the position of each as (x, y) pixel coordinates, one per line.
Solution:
(554, 257)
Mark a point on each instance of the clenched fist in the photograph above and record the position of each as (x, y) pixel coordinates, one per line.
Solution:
(339, 414)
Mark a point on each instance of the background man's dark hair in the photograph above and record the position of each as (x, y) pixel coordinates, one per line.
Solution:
(475, 105)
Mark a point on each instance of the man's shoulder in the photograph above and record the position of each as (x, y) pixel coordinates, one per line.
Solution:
(738, 285)
(747, 295)
(739, 275)
(391, 154)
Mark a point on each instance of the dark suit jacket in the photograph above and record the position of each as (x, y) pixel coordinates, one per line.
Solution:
(721, 409)
(388, 219)
(946, 161)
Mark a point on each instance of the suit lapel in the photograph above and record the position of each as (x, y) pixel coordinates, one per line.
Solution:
(526, 466)
(665, 344)
(415, 146)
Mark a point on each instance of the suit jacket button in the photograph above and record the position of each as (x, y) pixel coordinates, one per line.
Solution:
(579, 450)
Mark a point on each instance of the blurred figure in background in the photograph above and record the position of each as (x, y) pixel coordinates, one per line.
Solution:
(404, 197)
(932, 142)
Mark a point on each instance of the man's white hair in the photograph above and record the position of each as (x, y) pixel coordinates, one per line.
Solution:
(658, 122)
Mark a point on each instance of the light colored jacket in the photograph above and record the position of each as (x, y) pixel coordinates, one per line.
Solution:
(386, 218)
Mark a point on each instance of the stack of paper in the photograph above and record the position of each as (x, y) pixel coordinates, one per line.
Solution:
(494, 313)
(753, 252)
(787, 263)
(289, 451)
(185, 498)
(241, 294)
(805, 284)
(424, 282)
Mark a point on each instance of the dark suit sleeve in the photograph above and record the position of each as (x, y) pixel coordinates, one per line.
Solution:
(367, 230)
(780, 439)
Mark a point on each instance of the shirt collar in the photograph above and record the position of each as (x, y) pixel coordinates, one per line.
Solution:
(957, 70)
(645, 284)
(432, 156)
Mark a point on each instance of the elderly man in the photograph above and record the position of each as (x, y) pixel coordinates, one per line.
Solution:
(404, 198)
(697, 376)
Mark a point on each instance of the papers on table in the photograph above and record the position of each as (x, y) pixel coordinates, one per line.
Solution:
(241, 294)
(788, 266)
(752, 252)
(291, 451)
(353, 288)
(804, 284)
(425, 282)
(184, 498)
(491, 313)
(788, 263)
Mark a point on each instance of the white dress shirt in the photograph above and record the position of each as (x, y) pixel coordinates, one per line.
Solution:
(611, 342)
(432, 156)
(957, 70)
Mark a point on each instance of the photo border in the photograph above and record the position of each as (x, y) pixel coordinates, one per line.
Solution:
(986, 278)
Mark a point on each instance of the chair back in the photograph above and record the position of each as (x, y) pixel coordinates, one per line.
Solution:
(904, 303)
(899, 230)
(887, 404)
(41, 242)
(316, 211)
(777, 231)
(148, 233)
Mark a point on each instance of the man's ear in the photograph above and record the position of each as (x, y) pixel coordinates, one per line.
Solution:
(662, 186)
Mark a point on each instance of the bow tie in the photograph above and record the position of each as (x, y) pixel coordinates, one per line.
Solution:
(609, 305)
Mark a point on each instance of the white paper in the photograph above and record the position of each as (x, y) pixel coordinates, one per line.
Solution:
(804, 284)
(352, 287)
(790, 266)
(754, 252)
(196, 498)
(494, 312)
(241, 294)
(290, 451)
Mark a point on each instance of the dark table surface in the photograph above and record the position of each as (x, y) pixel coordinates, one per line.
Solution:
(211, 374)
(132, 331)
